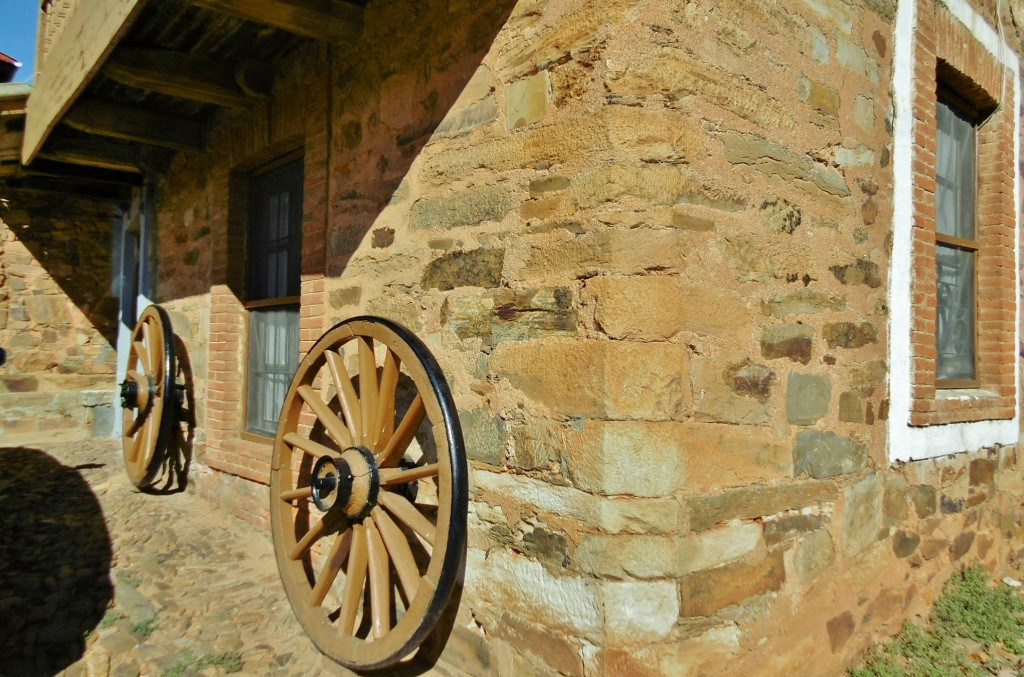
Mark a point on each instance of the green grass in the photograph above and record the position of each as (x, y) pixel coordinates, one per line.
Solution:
(144, 628)
(230, 661)
(967, 608)
(127, 578)
(112, 616)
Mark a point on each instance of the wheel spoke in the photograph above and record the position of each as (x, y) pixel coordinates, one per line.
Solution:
(335, 428)
(147, 334)
(136, 423)
(346, 393)
(313, 448)
(296, 494)
(143, 354)
(401, 553)
(339, 551)
(399, 442)
(407, 513)
(380, 585)
(311, 536)
(385, 417)
(392, 476)
(354, 579)
(367, 389)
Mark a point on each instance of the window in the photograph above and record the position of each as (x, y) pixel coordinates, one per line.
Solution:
(953, 305)
(956, 246)
(274, 258)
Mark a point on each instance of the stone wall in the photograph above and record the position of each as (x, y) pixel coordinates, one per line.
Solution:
(649, 244)
(57, 316)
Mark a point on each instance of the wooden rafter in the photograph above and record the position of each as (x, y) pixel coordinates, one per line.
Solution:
(133, 123)
(93, 153)
(340, 23)
(185, 76)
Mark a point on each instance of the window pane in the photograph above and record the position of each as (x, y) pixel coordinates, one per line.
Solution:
(275, 237)
(273, 359)
(955, 321)
(954, 174)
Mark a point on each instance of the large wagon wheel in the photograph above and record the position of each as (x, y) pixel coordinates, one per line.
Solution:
(148, 396)
(368, 493)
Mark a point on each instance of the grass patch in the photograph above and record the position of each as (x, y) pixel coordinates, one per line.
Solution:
(144, 628)
(229, 662)
(112, 616)
(127, 578)
(968, 608)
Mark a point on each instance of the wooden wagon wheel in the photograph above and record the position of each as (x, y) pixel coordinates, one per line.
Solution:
(148, 396)
(368, 493)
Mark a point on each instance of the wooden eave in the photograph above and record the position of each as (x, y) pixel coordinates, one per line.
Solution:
(126, 81)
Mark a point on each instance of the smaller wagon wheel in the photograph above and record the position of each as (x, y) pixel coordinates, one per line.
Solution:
(148, 396)
(368, 493)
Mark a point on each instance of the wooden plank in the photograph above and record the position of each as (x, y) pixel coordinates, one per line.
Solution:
(91, 33)
(92, 153)
(340, 23)
(133, 123)
(176, 74)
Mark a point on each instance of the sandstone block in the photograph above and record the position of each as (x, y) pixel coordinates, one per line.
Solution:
(812, 556)
(639, 612)
(657, 307)
(808, 397)
(840, 629)
(794, 341)
(705, 592)
(673, 74)
(802, 302)
(554, 503)
(819, 96)
(904, 543)
(774, 160)
(561, 255)
(504, 314)
(484, 435)
(851, 409)
(468, 207)
(789, 526)
(526, 100)
(861, 271)
(598, 379)
(477, 268)
(823, 454)
(717, 546)
(862, 515)
(627, 458)
(721, 395)
(759, 501)
(849, 334)
(720, 456)
(562, 655)
(625, 556)
(562, 604)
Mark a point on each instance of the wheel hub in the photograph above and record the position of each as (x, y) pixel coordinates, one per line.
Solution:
(136, 394)
(351, 482)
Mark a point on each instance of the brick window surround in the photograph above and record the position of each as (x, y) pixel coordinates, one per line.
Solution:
(926, 420)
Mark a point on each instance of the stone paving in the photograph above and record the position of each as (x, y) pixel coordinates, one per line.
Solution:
(97, 578)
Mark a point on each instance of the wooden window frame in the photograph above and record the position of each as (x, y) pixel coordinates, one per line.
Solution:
(262, 303)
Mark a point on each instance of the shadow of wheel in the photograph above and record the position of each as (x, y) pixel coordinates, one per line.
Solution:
(55, 556)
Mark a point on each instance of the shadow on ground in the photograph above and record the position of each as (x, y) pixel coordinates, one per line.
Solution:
(55, 558)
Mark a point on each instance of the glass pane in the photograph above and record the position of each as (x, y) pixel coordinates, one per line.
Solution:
(276, 233)
(955, 322)
(273, 359)
(954, 174)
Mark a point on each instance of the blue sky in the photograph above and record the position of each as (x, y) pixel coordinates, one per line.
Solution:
(18, 21)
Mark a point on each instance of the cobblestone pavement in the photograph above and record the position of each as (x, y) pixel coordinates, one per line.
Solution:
(99, 579)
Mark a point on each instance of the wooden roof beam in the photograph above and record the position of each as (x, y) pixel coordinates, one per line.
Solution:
(133, 123)
(176, 74)
(337, 23)
(91, 152)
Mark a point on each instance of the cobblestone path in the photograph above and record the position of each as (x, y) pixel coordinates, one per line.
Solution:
(99, 579)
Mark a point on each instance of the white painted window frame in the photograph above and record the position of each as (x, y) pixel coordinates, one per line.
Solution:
(907, 442)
